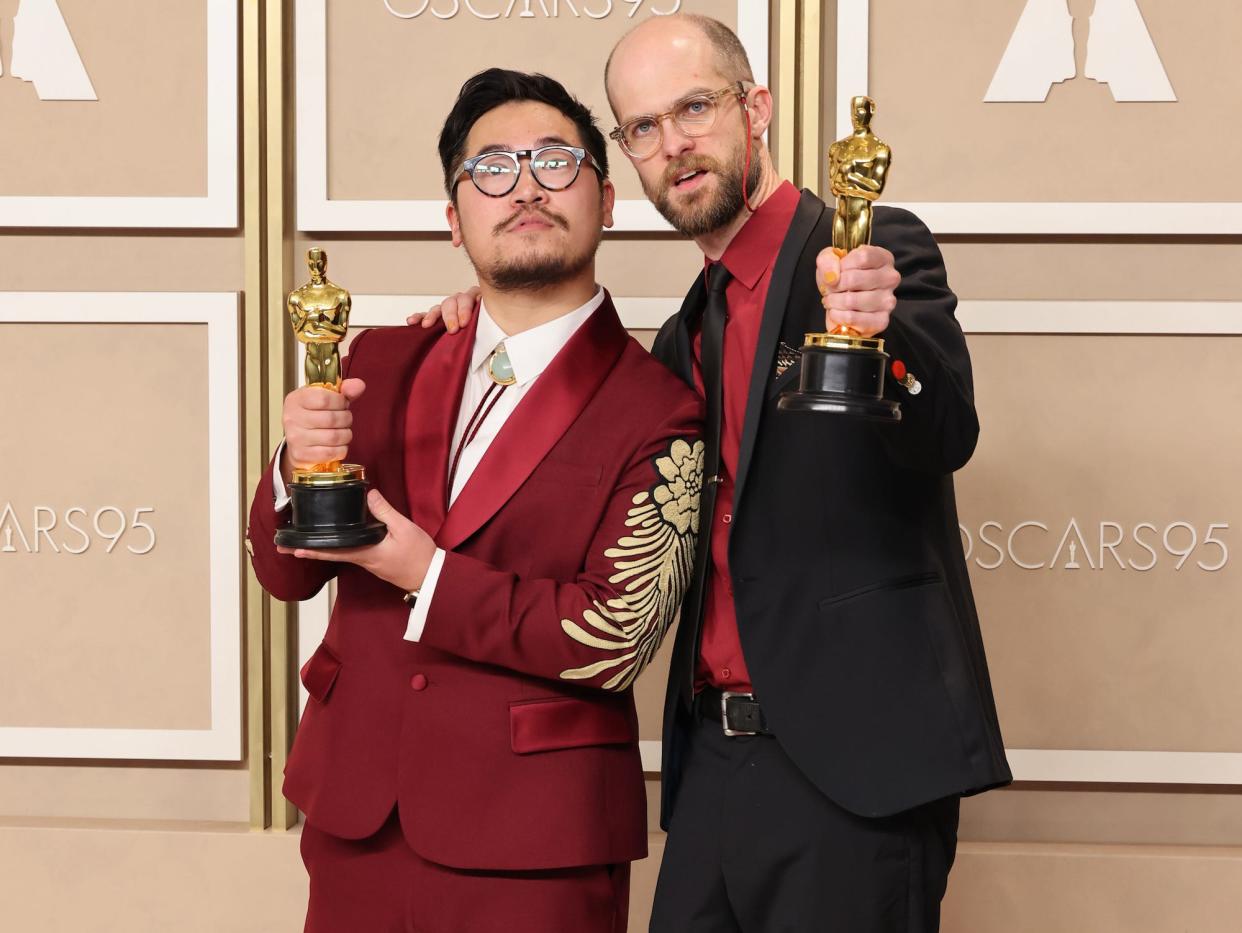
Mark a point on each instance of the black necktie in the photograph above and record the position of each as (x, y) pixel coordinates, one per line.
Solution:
(715, 314)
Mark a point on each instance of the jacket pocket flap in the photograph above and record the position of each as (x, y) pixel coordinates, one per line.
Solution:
(566, 722)
(320, 671)
(908, 582)
(779, 383)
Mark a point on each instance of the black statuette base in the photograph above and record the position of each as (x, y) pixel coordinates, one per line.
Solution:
(842, 382)
(333, 516)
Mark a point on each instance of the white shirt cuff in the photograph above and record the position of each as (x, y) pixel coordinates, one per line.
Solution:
(278, 481)
(422, 605)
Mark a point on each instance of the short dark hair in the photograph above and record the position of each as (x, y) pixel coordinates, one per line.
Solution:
(497, 86)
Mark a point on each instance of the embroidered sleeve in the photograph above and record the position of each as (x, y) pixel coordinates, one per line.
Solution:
(598, 630)
(652, 564)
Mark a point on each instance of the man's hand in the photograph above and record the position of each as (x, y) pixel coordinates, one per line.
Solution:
(858, 288)
(455, 310)
(318, 424)
(401, 559)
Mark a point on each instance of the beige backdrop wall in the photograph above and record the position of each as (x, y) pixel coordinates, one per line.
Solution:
(115, 415)
(1087, 354)
(1103, 370)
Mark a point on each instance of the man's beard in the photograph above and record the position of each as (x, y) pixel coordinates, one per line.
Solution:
(534, 270)
(706, 214)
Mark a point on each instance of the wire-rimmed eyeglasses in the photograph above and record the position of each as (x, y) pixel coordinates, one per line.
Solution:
(496, 173)
(694, 116)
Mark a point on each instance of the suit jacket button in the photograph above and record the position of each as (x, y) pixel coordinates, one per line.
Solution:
(418, 682)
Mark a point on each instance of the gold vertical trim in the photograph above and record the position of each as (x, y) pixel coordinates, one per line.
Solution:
(253, 406)
(282, 617)
(271, 646)
(786, 89)
(810, 43)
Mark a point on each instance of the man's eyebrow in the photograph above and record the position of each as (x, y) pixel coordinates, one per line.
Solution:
(493, 147)
(692, 92)
(540, 142)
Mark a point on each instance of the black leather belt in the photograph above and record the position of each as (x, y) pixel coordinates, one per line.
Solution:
(737, 713)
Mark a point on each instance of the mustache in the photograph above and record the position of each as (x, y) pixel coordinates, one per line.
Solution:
(694, 163)
(543, 212)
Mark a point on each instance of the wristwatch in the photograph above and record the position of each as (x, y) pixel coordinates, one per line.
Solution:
(410, 598)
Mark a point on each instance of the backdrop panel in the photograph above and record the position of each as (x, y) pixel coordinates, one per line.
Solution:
(158, 145)
(1075, 161)
(119, 527)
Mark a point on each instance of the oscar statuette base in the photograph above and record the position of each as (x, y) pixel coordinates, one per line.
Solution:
(330, 511)
(844, 375)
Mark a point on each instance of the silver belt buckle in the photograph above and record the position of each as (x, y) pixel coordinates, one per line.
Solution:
(724, 711)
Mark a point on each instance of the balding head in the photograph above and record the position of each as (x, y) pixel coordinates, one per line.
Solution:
(680, 37)
(674, 80)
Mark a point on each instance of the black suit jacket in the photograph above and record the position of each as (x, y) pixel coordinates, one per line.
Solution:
(853, 603)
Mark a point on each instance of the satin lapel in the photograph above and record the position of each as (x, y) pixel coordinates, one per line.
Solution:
(810, 209)
(430, 417)
(691, 309)
(539, 421)
(809, 312)
(807, 315)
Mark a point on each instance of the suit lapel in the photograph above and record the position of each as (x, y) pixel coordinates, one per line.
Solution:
(808, 315)
(809, 211)
(539, 421)
(691, 309)
(430, 417)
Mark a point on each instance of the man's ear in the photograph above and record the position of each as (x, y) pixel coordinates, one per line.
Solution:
(608, 196)
(760, 104)
(450, 213)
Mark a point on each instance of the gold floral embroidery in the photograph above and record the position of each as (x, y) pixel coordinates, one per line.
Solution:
(653, 563)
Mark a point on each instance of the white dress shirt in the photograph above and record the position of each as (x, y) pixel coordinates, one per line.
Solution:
(529, 352)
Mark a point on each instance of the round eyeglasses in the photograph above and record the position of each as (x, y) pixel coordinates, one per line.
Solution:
(693, 116)
(496, 173)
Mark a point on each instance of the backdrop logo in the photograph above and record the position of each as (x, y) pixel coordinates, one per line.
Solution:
(44, 53)
(74, 530)
(1053, 37)
(1034, 545)
(528, 9)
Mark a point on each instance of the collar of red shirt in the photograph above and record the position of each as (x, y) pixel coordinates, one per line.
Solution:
(756, 245)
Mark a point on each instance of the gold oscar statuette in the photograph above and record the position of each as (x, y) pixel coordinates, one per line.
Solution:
(842, 371)
(329, 499)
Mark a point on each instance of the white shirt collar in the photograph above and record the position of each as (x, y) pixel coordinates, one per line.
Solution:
(532, 350)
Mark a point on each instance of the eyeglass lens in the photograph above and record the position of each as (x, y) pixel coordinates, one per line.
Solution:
(693, 116)
(497, 173)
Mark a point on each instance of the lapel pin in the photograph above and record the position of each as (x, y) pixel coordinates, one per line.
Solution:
(905, 378)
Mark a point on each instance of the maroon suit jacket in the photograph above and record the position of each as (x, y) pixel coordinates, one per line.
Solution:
(507, 734)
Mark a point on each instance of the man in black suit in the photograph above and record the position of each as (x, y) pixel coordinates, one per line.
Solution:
(830, 619)
(829, 701)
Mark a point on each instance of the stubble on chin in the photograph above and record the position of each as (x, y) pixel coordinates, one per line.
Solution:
(534, 272)
(533, 269)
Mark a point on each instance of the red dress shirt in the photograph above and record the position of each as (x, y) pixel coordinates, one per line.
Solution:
(749, 258)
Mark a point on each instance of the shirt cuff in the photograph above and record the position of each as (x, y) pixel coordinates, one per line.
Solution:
(278, 481)
(422, 605)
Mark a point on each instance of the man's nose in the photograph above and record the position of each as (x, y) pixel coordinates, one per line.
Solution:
(527, 190)
(673, 141)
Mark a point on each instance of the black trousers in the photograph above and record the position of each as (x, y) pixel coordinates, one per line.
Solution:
(754, 847)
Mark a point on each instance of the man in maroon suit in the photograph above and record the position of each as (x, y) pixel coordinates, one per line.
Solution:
(468, 759)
